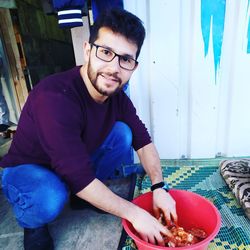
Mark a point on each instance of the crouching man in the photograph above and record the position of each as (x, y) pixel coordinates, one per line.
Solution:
(75, 129)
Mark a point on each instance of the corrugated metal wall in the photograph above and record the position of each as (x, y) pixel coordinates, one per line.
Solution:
(192, 88)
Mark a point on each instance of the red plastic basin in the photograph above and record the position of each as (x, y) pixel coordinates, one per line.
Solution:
(193, 210)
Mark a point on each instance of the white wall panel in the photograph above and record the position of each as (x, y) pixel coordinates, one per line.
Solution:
(191, 109)
(165, 74)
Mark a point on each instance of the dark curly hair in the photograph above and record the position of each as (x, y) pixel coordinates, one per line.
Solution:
(122, 22)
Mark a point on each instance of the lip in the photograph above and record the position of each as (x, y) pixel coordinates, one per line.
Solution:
(110, 81)
(109, 78)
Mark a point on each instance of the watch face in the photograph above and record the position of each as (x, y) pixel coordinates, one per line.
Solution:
(166, 187)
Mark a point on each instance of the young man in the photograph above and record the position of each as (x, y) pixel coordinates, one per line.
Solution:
(74, 130)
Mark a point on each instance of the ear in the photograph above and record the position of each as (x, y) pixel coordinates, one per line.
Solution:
(135, 67)
(86, 50)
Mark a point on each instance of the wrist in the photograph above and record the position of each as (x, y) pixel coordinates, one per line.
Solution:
(160, 185)
(134, 214)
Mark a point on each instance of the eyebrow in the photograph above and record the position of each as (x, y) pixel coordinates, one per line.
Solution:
(125, 55)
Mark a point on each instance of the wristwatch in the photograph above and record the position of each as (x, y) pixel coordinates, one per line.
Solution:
(161, 184)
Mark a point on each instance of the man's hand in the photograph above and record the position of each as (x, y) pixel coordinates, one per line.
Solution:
(164, 204)
(149, 228)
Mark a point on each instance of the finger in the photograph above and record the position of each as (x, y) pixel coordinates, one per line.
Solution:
(166, 232)
(167, 217)
(159, 239)
(144, 238)
(151, 239)
(174, 216)
(157, 213)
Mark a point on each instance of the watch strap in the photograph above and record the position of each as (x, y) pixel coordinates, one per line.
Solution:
(161, 184)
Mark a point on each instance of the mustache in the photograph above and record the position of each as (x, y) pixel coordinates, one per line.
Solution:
(113, 75)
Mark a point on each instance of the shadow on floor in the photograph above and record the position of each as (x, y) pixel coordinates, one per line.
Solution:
(73, 229)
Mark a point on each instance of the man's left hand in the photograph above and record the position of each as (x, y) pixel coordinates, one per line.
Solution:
(163, 203)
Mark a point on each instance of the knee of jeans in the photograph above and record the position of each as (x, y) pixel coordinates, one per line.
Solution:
(53, 203)
(45, 209)
(37, 194)
(124, 134)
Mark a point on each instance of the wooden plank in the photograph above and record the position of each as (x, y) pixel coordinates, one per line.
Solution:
(18, 82)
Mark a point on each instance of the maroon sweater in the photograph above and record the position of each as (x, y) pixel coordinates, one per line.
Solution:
(61, 125)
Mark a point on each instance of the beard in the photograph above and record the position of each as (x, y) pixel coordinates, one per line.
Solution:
(93, 77)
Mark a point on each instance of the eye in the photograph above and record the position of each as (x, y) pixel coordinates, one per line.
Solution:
(126, 59)
(106, 52)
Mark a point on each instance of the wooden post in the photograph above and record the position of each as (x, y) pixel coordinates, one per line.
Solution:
(17, 79)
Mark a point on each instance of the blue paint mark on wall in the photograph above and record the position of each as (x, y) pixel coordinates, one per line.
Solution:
(213, 15)
(248, 32)
(248, 37)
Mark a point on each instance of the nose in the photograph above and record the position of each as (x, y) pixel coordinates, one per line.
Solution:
(114, 64)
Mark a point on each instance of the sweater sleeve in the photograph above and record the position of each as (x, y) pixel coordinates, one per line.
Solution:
(140, 133)
(59, 123)
(69, 12)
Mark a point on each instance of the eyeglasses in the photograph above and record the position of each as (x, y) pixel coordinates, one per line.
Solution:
(108, 55)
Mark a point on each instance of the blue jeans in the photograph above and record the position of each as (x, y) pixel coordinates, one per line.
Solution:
(38, 195)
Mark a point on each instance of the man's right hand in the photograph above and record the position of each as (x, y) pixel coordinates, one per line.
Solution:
(149, 228)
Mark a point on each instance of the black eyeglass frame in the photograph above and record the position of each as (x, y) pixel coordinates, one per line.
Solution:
(115, 54)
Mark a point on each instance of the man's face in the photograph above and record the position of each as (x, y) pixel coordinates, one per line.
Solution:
(108, 77)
